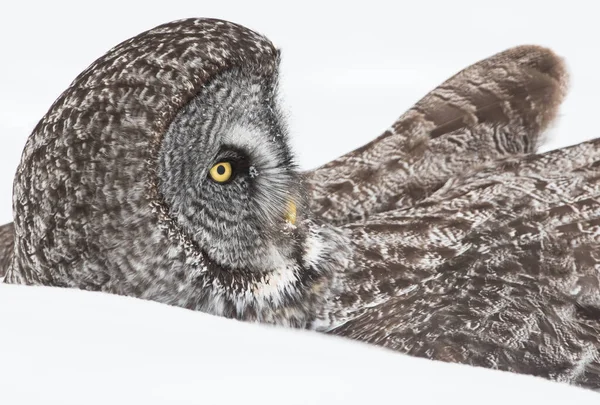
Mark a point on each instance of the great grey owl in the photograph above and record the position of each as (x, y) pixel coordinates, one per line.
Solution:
(163, 172)
(495, 108)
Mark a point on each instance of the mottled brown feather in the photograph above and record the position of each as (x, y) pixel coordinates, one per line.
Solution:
(498, 269)
(496, 108)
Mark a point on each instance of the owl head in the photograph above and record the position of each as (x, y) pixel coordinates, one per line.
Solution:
(164, 172)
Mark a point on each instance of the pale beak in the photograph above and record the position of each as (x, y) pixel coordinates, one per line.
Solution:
(290, 215)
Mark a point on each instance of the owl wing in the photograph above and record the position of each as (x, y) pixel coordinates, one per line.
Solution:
(522, 298)
(495, 108)
(482, 311)
(499, 270)
(402, 247)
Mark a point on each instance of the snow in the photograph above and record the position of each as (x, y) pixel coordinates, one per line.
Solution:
(347, 73)
(62, 346)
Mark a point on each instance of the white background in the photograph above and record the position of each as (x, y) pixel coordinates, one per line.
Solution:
(348, 72)
(70, 347)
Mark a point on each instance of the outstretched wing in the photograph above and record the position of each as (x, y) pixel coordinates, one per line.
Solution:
(495, 108)
(498, 269)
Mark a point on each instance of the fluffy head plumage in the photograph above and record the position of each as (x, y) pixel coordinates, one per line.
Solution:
(112, 192)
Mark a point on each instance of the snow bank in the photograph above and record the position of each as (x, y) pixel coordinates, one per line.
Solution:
(60, 346)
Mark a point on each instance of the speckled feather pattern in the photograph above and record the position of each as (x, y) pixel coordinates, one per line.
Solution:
(496, 108)
(499, 270)
(446, 237)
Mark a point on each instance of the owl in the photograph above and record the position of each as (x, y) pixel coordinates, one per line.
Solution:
(495, 108)
(164, 173)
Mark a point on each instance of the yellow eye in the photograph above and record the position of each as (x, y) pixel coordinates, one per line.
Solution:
(221, 172)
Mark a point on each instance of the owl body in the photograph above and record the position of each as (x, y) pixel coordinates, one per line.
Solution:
(164, 173)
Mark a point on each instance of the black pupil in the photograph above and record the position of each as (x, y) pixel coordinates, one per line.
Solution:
(221, 170)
